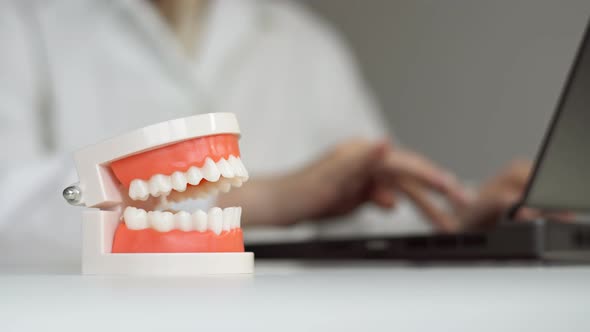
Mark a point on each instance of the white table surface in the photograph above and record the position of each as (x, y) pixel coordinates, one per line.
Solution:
(297, 296)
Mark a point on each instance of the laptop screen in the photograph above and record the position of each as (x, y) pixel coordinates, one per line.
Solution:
(561, 180)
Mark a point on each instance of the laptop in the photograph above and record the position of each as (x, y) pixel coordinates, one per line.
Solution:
(560, 182)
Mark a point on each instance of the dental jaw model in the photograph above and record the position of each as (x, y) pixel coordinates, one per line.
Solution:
(130, 182)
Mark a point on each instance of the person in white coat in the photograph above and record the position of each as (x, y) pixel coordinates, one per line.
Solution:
(73, 73)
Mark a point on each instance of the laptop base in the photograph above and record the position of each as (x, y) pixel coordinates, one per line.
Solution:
(537, 240)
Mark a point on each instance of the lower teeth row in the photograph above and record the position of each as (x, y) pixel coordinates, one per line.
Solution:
(216, 220)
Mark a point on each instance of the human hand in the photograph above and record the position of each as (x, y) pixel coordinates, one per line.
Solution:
(351, 174)
(359, 171)
(496, 196)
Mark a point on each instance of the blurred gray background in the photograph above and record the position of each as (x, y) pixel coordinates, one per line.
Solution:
(470, 83)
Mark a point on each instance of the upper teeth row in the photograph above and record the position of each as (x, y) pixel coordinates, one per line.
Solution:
(216, 220)
(211, 171)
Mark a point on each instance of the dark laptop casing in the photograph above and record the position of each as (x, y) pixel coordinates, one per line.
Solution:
(513, 240)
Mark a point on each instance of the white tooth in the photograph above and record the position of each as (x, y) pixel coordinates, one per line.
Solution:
(160, 184)
(141, 219)
(135, 219)
(179, 197)
(129, 216)
(235, 218)
(129, 212)
(227, 218)
(199, 192)
(182, 221)
(235, 165)
(166, 185)
(194, 176)
(138, 190)
(152, 216)
(236, 182)
(164, 203)
(207, 189)
(225, 169)
(225, 187)
(238, 217)
(178, 181)
(154, 186)
(238, 167)
(215, 220)
(230, 216)
(200, 221)
(161, 221)
(210, 171)
(243, 171)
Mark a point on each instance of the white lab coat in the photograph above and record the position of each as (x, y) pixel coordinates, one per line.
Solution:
(88, 70)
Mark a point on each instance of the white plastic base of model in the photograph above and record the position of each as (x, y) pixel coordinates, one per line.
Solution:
(98, 232)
